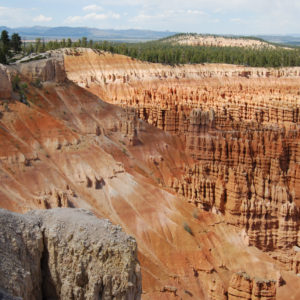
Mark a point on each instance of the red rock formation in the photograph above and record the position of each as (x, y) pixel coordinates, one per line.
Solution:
(243, 287)
(69, 148)
(240, 124)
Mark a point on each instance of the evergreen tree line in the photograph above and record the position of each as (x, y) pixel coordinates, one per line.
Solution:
(8, 45)
(40, 46)
(167, 53)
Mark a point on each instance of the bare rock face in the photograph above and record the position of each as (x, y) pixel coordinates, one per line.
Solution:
(66, 254)
(21, 248)
(243, 287)
(5, 84)
(50, 69)
(5, 296)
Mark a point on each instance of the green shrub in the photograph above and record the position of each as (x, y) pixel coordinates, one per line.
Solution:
(24, 86)
(37, 83)
(187, 228)
(15, 82)
(21, 88)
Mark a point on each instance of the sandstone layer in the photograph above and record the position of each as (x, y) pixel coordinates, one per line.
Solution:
(68, 148)
(66, 254)
(51, 69)
(5, 84)
(243, 287)
(241, 125)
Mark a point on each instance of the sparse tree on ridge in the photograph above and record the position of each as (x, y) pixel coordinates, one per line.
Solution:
(4, 47)
(2, 57)
(84, 42)
(5, 40)
(63, 43)
(38, 45)
(16, 42)
(69, 43)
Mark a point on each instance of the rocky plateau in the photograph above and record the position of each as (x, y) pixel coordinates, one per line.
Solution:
(218, 41)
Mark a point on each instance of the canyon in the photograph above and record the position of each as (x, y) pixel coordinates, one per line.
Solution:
(199, 163)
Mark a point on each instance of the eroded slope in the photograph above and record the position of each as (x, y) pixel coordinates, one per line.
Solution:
(69, 148)
(240, 124)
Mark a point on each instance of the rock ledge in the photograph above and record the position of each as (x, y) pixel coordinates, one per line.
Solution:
(66, 254)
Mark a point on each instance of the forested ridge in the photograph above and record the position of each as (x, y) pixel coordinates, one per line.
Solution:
(167, 53)
(162, 51)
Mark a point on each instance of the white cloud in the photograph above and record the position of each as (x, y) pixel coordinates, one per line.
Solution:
(235, 20)
(88, 17)
(196, 12)
(13, 17)
(179, 18)
(73, 19)
(144, 17)
(168, 14)
(92, 7)
(115, 16)
(42, 18)
(92, 17)
(209, 16)
(218, 16)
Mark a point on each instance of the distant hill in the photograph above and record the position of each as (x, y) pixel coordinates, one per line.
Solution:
(136, 35)
(193, 39)
(128, 35)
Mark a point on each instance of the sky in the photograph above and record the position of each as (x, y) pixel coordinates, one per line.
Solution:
(243, 17)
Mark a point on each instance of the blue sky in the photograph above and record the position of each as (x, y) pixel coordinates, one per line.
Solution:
(202, 16)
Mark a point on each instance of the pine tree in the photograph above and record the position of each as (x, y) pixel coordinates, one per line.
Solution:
(2, 57)
(69, 43)
(5, 41)
(16, 42)
(84, 42)
(38, 45)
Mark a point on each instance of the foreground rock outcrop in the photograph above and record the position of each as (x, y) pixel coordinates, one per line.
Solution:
(51, 69)
(66, 254)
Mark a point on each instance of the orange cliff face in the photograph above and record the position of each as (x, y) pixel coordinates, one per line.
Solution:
(68, 148)
(241, 125)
